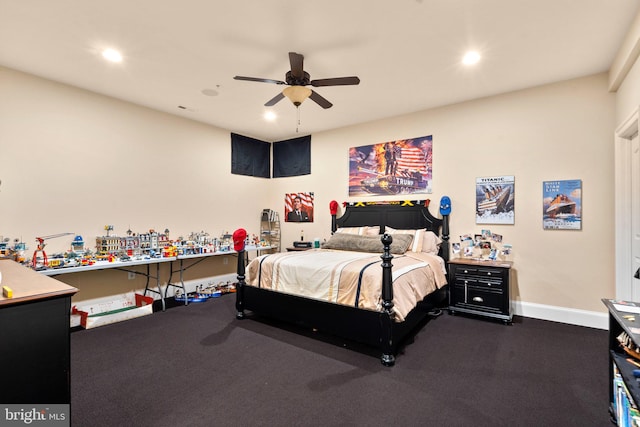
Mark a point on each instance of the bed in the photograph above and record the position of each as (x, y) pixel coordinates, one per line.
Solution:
(377, 297)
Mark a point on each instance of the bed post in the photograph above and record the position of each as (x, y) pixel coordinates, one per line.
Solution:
(445, 237)
(240, 286)
(239, 241)
(388, 314)
(333, 209)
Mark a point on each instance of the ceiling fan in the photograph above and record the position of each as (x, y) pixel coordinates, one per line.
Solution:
(297, 79)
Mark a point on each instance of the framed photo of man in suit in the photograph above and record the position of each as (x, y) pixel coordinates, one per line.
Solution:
(298, 207)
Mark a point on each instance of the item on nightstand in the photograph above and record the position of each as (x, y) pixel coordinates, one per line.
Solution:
(302, 244)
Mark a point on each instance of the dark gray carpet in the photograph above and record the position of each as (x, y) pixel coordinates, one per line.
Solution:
(199, 366)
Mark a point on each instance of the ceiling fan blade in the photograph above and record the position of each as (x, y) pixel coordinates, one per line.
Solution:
(273, 101)
(321, 101)
(257, 79)
(336, 81)
(297, 66)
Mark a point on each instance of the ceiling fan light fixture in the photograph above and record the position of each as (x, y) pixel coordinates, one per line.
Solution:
(297, 94)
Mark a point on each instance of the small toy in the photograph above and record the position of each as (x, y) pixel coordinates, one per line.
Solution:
(7, 292)
(239, 237)
(445, 205)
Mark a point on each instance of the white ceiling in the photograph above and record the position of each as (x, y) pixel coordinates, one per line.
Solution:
(406, 52)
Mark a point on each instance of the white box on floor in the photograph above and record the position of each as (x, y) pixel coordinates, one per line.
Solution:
(105, 311)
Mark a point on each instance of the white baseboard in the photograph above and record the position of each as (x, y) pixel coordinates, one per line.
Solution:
(572, 316)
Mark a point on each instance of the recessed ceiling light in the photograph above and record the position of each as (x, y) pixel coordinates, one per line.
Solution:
(112, 55)
(270, 116)
(471, 57)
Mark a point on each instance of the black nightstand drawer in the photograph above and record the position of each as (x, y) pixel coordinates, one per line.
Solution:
(483, 276)
(475, 298)
(480, 287)
(489, 282)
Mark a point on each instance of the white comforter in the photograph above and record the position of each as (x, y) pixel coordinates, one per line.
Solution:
(349, 278)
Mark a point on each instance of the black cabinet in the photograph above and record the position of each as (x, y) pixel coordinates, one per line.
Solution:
(35, 341)
(480, 287)
(624, 389)
(34, 337)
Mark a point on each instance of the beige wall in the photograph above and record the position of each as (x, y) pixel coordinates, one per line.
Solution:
(75, 161)
(559, 131)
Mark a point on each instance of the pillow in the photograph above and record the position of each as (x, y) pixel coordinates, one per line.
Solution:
(371, 231)
(349, 230)
(431, 242)
(416, 245)
(350, 242)
(423, 240)
(360, 231)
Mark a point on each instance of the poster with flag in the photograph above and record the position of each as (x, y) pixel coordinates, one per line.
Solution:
(298, 207)
(395, 167)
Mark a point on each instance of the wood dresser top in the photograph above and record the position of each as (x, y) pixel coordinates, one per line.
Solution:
(488, 263)
(29, 285)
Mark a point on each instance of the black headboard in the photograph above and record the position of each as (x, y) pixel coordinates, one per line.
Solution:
(402, 215)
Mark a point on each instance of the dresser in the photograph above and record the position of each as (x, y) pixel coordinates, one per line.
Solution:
(35, 337)
(481, 288)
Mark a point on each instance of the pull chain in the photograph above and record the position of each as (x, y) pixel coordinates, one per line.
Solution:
(297, 118)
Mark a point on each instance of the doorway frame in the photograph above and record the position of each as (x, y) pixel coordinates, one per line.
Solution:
(623, 240)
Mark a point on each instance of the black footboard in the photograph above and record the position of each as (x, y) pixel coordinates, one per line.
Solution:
(373, 328)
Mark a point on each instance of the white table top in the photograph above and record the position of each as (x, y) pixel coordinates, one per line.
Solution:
(103, 265)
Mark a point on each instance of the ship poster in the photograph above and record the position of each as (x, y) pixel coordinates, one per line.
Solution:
(495, 200)
(562, 205)
(393, 167)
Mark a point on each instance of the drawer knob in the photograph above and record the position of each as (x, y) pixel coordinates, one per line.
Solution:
(478, 299)
(488, 273)
(466, 271)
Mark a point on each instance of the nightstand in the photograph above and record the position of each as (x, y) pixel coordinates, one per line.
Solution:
(481, 288)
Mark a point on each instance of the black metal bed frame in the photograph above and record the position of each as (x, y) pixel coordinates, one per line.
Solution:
(372, 328)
